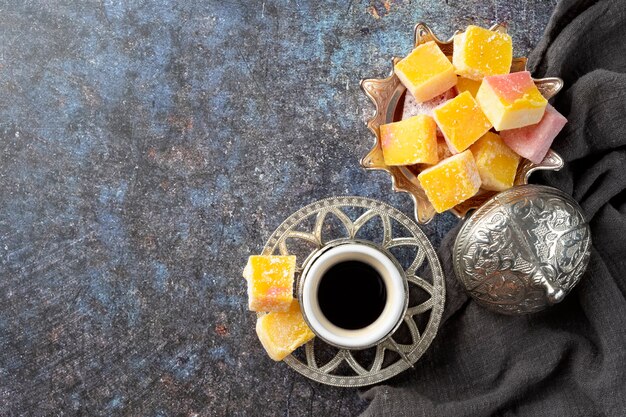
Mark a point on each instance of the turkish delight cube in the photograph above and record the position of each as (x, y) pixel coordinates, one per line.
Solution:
(410, 141)
(480, 52)
(270, 282)
(496, 162)
(511, 101)
(451, 181)
(533, 142)
(426, 72)
(461, 121)
(281, 333)
(467, 84)
(412, 107)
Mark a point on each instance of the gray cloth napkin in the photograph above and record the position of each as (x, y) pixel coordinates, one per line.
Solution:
(569, 360)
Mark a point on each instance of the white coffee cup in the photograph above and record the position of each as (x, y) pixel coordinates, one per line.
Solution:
(395, 287)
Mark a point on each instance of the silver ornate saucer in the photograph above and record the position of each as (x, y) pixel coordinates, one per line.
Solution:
(312, 229)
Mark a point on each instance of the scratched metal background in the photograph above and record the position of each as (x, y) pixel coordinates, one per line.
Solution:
(147, 148)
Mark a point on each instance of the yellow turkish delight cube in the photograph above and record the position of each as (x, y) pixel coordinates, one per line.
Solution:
(270, 282)
(426, 72)
(461, 121)
(511, 101)
(480, 52)
(410, 141)
(451, 181)
(467, 84)
(496, 162)
(281, 333)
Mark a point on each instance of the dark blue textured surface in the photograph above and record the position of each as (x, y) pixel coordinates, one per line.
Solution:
(147, 149)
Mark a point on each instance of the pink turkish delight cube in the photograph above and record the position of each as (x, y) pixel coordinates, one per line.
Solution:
(533, 142)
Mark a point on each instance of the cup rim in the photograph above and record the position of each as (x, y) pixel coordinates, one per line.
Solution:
(393, 276)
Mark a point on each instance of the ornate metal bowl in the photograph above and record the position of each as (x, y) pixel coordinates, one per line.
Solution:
(388, 94)
(523, 250)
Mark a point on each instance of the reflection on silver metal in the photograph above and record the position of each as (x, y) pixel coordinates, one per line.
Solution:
(523, 250)
(307, 225)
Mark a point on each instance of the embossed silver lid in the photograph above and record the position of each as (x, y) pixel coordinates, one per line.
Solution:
(523, 250)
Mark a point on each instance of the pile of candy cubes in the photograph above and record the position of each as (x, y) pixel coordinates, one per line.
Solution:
(467, 121)
(270, 290)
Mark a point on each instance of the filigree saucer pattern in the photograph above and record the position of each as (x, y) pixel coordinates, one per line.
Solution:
(344, 367)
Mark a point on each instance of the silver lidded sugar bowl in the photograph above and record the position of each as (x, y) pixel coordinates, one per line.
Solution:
(523, 250)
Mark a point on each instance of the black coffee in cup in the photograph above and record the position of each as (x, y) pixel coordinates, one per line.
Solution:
(352, 295)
